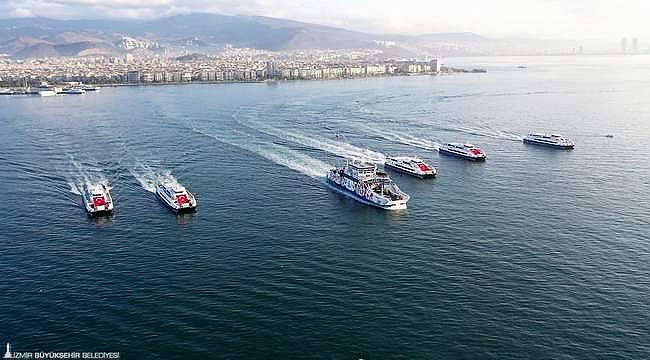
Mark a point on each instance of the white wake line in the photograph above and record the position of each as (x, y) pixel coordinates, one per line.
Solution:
(276, 153)
(496, 134)
(402, 138)
(149, 177)
(331, 146)
(84, 175)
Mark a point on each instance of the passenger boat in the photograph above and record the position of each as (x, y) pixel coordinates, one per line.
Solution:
(43, 90)
(176, 196)
(73, 91)
(365, 183)
(48, 92)
(550, 140)
(410, 165)
(90, 88)
(465, 151)
(97, 199)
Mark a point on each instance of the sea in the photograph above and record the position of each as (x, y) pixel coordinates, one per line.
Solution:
(536, 253)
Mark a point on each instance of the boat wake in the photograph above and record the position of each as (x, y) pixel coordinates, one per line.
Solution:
(149, 177)
(276, 153)
(81, 175)
(331, 146)
(485, 132)
(403, 138)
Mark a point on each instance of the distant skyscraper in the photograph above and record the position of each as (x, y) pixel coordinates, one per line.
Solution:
(271, 70)
(624, 45)
(635, 45)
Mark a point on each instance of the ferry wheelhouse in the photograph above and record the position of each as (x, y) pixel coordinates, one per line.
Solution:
(365, 183)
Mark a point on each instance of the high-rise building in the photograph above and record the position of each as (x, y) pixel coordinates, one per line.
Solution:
(133, 76)
(435, 65)
(624, 45)
(272, 70)
(635, 45)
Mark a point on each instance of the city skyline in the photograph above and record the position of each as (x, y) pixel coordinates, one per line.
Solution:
(550, 19)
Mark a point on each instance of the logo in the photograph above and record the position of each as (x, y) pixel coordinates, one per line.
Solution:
(92, 355)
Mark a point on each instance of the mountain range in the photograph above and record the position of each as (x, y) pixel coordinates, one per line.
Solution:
(209, 33)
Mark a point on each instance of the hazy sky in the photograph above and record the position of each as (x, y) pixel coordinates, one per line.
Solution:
(539, 18)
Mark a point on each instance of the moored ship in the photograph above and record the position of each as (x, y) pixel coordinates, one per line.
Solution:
(465, 151)
(410, 165)
(366, 184)
(97, 199)
(549, 140)
(175, 196)
(73, 91)
(43, 90)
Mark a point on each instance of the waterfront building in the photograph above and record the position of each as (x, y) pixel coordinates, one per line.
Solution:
(133, 76)
(435, 65)
(147, 77)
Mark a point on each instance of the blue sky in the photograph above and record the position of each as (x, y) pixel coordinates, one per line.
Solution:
(561, 19)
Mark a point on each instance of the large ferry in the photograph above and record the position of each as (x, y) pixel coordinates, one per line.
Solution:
(364, 183)
(97, 199)
(466, 151)
(175, 196)
(550, 140)
(410, 165)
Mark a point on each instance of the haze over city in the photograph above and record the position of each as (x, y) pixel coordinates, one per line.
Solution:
(579, 19)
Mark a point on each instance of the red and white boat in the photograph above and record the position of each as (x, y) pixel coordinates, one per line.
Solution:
(97, 199)
(176, 196)
(465, 151)
(410, 165)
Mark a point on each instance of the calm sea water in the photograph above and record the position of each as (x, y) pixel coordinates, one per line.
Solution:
(534, 254)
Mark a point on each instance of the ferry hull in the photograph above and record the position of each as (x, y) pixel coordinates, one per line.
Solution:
(404, 171)
(174, 208)
(554, 146)
(96, 213)
(397, 205)
(470, 158)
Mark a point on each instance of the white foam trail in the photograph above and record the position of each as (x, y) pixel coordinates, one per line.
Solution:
(403, 138)
(328, 145)
(84, 175)
(73, 188)
(278, 154)
(149, 177)
(495, 134)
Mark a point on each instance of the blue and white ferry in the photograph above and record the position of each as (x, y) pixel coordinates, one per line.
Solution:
(364, 183)
(550, 140)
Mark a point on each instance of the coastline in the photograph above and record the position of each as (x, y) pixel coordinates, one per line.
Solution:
(268, 81)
